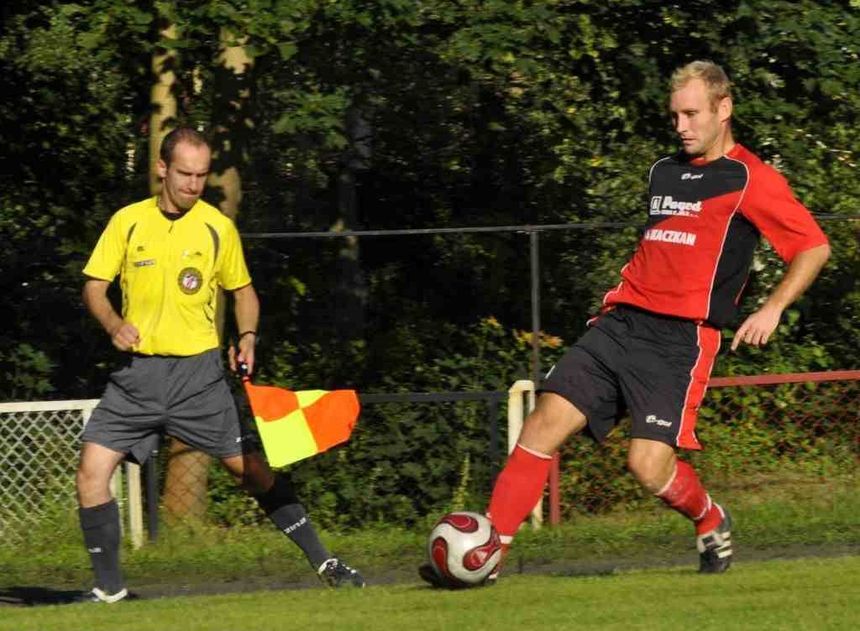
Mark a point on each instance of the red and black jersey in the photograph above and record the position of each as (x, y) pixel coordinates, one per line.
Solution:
(704, 223)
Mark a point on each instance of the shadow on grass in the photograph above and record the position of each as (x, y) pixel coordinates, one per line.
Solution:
(30, 596)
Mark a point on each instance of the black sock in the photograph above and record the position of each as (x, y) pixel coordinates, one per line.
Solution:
(100, 525)
(284, 509)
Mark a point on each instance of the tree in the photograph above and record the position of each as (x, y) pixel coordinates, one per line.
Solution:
(163, 100)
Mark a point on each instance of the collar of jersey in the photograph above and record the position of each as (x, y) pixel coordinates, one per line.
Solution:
(173, 216)
(734, 152)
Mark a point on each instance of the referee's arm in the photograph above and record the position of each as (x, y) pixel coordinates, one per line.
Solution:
(123, 335)
(247, 311)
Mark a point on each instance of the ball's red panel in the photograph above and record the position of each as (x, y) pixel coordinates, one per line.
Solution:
(475, 558)
(439, 552)
(463, 523)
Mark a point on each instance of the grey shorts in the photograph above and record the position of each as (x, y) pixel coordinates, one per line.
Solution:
(185, 397)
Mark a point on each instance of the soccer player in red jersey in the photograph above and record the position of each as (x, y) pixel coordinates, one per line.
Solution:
(651, 350)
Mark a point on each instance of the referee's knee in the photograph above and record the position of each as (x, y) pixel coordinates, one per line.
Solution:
(92, 487)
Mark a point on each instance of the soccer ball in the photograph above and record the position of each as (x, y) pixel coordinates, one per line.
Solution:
(464, 549)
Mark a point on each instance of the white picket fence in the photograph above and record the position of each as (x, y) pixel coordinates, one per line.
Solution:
(39, 450)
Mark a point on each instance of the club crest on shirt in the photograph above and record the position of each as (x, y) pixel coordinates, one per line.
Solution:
(190, 280)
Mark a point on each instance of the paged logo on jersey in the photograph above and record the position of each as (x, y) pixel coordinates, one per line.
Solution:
(692, 176)
(190, 280)
(670, 236)
(666, 205)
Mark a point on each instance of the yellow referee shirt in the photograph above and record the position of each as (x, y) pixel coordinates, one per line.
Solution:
(169, 272)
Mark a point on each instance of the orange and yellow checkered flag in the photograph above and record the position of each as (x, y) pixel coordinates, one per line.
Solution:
(298, 424)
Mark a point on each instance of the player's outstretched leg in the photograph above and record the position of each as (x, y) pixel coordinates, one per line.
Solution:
(518, 488)
(285, 511)
(685, 493)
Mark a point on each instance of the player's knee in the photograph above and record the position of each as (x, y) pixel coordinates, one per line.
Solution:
(649, 472)
(91, 484)
(257, 478)
(279, 494)
(551, 422)
(254, 485)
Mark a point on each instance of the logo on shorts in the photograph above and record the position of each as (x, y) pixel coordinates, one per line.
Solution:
(190, 280)
(651, 419)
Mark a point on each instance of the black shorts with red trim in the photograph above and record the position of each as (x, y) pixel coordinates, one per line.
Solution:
(656, 367)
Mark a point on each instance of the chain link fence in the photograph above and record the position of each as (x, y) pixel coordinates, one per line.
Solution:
(752, 427)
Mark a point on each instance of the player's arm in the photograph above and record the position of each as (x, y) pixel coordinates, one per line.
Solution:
(758, 327)
(123, 334)
(247, 311)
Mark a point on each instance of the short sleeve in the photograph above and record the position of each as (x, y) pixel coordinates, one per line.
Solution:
(233, 272)
(106, 258)
(786, 223)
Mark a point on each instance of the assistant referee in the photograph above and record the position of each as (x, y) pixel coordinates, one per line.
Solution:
(172, 252)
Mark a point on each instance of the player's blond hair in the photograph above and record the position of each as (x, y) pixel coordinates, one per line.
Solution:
(713, 76)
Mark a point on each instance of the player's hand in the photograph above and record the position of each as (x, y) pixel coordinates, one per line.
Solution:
(245, 354)
(125, 337)
(758, 327)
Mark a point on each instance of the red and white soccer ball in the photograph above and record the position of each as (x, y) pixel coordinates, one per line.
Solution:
(464, 549)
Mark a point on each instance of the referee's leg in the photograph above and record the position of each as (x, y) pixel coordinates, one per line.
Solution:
(99, 515)
(275, 495)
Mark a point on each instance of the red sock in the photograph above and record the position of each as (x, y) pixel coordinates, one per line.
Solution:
(518, 488)
(685, 494)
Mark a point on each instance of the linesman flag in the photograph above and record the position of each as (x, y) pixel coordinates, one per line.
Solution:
(298, 424)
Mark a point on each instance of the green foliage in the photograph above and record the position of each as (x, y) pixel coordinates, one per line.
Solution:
(397, 114)
(405, 461)
(229, 506)
(26, 373)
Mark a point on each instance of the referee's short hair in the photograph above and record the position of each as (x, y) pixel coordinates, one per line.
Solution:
(175, 136)
(713, 76)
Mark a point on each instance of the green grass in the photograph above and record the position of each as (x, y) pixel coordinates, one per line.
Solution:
(808, 518)
(796, 594)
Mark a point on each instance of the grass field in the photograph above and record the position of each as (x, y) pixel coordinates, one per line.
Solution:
(795, 594)
(791, 518)
(628, 569)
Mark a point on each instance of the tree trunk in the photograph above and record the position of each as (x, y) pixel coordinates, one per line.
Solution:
(162, 99)
(350, 295)
(187, 472)
(232, 125)
(186, 483)
(187, 476)
(232, 122)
